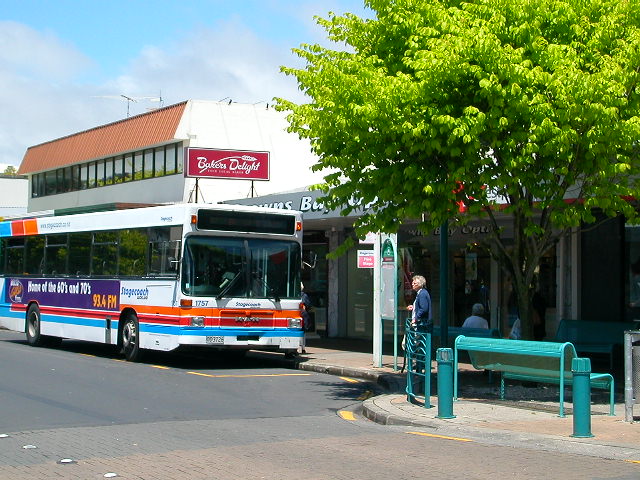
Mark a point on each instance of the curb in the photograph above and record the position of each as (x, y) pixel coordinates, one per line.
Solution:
(378, 415)
(391, 383)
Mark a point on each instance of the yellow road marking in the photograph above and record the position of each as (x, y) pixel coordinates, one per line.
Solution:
(440, 436)
(162, 367)
(365, 395)
(248, 376)
(350, 380)
(633, 461)
(87, 355)
(346, 415)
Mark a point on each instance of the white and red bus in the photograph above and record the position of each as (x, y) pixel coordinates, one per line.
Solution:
(157, 278)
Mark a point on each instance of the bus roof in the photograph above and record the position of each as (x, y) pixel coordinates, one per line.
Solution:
(164, 215)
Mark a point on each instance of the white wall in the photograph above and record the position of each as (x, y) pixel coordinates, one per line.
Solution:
(13, 196)
(208, 124)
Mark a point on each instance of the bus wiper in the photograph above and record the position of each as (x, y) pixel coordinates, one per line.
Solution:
(271, 290)
(229, 285)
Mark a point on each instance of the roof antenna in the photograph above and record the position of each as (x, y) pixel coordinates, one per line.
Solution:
(129, 100)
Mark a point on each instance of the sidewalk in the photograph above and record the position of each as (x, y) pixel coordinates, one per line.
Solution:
(527, 415)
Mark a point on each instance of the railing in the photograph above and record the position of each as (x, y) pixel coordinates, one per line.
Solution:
(417, 348)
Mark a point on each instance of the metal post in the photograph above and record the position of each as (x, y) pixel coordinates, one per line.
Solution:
(444, 284)
(581, 370)
(631, 372)
(628, 377)
(444, 357)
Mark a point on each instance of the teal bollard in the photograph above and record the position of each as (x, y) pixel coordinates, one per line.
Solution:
(444, 357)
(581, 370)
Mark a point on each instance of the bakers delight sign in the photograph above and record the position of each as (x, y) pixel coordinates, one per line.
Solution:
(233, 164)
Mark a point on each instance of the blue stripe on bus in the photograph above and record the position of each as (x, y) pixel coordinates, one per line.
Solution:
(225, 332)
(174, 329)
(5, 229)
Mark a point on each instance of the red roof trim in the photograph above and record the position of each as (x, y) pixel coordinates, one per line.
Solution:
(151, 128)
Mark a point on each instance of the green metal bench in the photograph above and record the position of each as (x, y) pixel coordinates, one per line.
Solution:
(544, 362)
(592, 337)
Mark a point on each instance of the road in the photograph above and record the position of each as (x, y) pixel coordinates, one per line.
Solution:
(79, 412)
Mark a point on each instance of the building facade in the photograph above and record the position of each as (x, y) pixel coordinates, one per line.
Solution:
(141, 160)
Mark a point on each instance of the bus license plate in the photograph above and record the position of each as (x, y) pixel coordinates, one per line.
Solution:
(214, 340)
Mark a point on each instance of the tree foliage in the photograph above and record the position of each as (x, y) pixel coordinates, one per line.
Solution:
(10, 170)
(528, 104)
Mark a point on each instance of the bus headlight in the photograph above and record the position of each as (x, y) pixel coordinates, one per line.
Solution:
(295, 322)
(197, 321)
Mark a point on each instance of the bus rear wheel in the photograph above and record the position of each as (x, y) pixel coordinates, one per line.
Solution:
(32, 330)
(32, 326)
(131, 338)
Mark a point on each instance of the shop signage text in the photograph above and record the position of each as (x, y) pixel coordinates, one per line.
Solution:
(229, 164)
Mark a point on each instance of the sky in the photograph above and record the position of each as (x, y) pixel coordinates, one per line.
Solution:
(66, 64)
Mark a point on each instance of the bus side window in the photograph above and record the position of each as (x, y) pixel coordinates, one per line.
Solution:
(15, 256)
(79, 253)
(34, 255)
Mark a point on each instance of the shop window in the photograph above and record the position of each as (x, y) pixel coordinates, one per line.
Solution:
(159, 162)
(35, 183)
(128, 167)
(170, 160)
(84, 176)
(50, 183)
(118, 169)
(100, 173)
(179, 159)
(108, 171)
(91, 175)
(75, 178)
(148, 164)
(138, 166)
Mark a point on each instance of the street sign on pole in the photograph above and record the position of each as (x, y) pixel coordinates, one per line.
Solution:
(385, 293)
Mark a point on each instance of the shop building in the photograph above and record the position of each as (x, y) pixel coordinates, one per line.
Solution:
(588, 275)
(140, 160)
(592, 275)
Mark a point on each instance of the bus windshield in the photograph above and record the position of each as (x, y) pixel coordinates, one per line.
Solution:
(226, 267)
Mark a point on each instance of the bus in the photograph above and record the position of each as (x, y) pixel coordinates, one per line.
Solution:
(156, 278)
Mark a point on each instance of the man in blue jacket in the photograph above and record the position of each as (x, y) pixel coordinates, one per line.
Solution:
(421, 318)
(421, 322)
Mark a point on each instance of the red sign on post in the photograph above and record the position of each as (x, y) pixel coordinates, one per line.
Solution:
(231, 164)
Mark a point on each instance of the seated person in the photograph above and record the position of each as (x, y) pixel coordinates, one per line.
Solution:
(476, 320)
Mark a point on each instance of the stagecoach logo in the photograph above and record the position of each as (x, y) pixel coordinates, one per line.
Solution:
(15, 290)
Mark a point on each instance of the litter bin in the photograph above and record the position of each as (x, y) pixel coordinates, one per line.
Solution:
(631, 372)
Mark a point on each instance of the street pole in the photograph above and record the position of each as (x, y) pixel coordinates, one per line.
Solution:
(444, 284)
(377, 316)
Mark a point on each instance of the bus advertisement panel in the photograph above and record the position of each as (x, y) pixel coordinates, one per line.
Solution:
(224, 277)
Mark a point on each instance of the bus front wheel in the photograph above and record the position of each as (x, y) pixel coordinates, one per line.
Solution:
(131, 338)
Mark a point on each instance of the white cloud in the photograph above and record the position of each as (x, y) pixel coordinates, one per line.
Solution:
(39, 84)
(229, 61)
(37, 55)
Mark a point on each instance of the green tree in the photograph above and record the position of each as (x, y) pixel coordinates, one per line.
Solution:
(10, 170)
(532, 104)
